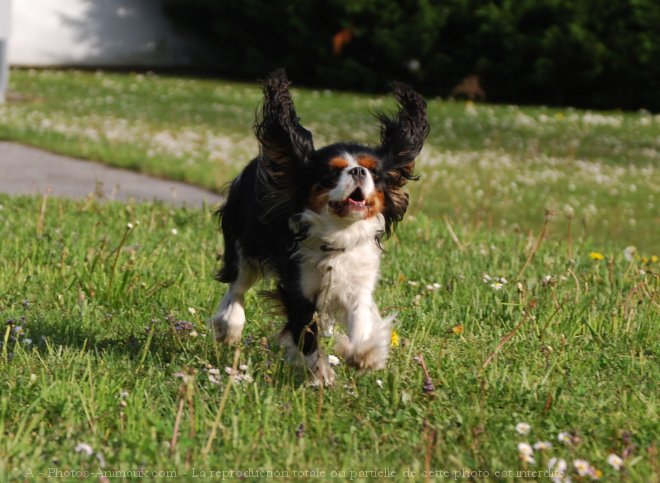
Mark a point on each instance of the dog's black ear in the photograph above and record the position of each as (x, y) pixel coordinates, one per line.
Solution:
(402, 138)
(283, 140)
(402, 135)
(285, 148)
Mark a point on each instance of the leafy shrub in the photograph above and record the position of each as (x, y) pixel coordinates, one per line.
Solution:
(586, 53)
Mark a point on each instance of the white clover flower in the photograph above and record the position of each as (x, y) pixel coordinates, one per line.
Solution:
(192, 310)
(564, 437)
(497, 286)
(615, 461)
(528, 459)
(213, 379)
(84, 448)
(523, 428)
(333, 360)
(542, 445)
(174, 231)
(557, 466)
(379, 383)
(525, 449)
(129, 226)
(582, 467)
(243, 367)
(486, 278)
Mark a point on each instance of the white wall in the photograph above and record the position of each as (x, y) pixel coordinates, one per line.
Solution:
(94, 32)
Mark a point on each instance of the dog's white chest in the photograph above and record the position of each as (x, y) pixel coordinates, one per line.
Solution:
(340, 271)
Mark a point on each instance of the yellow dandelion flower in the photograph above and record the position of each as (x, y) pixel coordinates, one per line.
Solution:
(458, 330)
(654, 258)
(596, 256)
(395, 339)
(560, 116)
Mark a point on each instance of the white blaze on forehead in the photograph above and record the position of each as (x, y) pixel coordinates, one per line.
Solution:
(352, 162)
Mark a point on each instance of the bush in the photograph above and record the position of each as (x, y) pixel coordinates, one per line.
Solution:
(588, 53)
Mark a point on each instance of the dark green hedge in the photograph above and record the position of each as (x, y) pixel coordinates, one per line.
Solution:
(595, 53)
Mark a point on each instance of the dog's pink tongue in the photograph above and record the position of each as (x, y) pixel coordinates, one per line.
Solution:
(358, 203)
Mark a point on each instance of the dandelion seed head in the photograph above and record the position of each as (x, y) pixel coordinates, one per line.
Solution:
(629, 253)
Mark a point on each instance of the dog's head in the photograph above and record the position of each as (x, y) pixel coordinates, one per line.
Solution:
(345, 180)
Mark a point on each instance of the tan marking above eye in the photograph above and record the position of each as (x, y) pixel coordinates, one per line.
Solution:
(339, 163)
(367, 162)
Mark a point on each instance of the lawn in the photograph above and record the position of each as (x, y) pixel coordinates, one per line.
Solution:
(494, 166)
(107, 367)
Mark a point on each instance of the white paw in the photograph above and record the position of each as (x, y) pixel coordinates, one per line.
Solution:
(319, 370)
(227, 324)
(316, 364)
(370, 354)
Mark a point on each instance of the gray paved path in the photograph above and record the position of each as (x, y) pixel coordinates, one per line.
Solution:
(26, 170)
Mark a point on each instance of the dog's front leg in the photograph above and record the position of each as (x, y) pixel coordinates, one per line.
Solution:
(369, 337)
(300, 339)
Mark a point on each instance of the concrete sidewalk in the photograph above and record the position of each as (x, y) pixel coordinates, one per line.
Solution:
(25, 170)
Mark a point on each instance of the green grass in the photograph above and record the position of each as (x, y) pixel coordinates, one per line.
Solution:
(498, 166)
(103, 338)
(100, 303)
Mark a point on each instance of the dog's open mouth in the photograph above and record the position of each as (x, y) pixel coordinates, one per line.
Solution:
(355, 201)
(356, 198)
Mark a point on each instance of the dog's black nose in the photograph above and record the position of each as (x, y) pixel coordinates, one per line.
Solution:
(358, 172)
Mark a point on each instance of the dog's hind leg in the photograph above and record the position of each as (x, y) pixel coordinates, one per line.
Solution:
(228, 321)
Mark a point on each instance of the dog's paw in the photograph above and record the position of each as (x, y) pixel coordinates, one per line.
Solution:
(227, 326)
(369, 354)
(320, 371)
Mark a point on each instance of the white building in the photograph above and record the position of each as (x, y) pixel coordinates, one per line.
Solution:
(5, 15)
(95, 33)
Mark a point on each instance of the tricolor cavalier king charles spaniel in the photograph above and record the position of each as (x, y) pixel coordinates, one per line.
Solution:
(314, 219)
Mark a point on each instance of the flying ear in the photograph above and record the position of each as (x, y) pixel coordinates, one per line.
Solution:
(402, 136)
(283, 140)
(285, 147)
